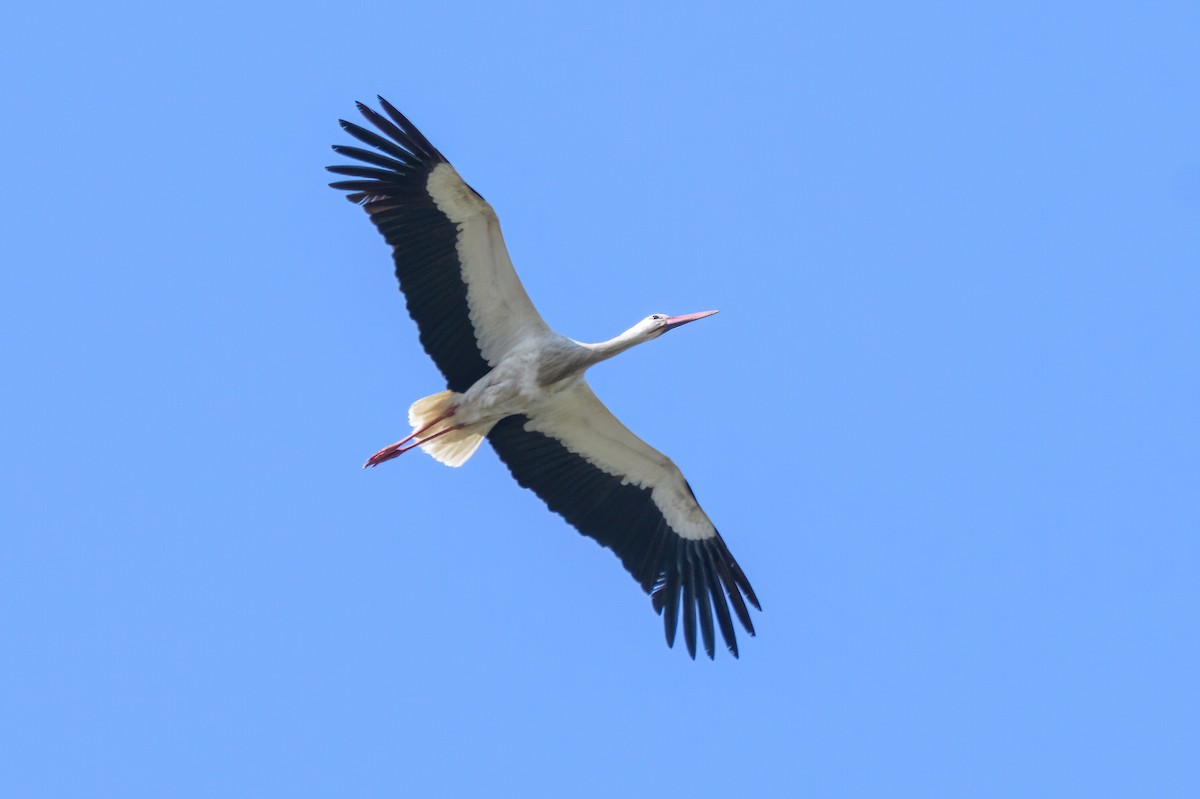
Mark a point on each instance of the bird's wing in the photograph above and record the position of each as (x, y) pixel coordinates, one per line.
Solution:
(453, 267)
(617, 489)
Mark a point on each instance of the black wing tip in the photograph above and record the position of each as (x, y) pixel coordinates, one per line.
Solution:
(691, 649)
(379, 97)
(744, 584)
(396, 143)
(712, 655)
(730, 647)
(707, 579)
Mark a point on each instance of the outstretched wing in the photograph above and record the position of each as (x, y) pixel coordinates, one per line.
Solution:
(453, 267)
(617, 489)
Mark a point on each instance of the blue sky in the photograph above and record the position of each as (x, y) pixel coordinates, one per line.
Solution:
(947, 419)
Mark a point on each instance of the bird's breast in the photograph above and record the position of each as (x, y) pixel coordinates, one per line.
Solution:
(517, 385)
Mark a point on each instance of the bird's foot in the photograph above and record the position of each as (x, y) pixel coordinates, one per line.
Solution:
(401, 447)
(387, 453)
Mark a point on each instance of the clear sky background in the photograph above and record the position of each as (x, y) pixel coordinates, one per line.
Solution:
(947, 419)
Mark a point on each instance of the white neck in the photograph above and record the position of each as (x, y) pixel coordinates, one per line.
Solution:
(618, 344)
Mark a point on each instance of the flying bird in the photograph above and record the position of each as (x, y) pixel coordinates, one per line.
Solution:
(519, 384)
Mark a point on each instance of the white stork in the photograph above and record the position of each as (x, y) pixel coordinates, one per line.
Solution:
(513, 380)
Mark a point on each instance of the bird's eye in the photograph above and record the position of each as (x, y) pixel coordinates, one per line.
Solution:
(658, 316)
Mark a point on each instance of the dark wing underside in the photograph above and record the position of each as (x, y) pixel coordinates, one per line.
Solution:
(393, 190)
(626, 519)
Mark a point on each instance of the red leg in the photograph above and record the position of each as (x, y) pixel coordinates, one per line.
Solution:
(395, 450)
(392, 450)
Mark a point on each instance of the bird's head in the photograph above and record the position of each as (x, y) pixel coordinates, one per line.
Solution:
(648, 329)
(655, 325)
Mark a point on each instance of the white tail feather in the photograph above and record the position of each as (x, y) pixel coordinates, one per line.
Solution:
(452, 448)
